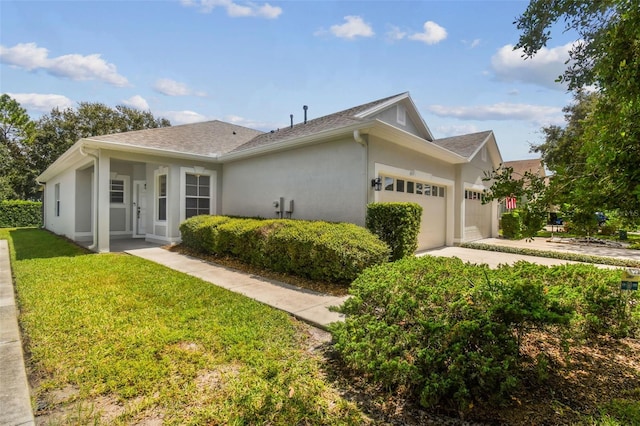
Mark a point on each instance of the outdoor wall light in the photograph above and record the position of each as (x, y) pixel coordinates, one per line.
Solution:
(376, 183)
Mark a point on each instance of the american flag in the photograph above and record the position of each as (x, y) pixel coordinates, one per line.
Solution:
(510, 203)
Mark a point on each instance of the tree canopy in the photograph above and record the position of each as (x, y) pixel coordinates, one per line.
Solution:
(595, 158)
(28, 147)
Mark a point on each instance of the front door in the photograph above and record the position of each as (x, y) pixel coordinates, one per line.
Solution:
(139, 208)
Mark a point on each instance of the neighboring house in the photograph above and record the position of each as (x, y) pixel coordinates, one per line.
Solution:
(520, 167)
(143, 184)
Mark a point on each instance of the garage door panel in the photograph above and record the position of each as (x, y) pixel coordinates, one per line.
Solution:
(433, 221)
(477, 217)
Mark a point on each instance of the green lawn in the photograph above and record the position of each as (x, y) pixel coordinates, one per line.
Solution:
(116, 339)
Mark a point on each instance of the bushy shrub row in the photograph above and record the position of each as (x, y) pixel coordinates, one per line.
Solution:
(450, 331)
(334, 252)
(17, 213)
(397, 224)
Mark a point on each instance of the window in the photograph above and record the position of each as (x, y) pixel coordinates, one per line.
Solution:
(418, 188)
(197, 191)
(388, 184)
(434, 191)
(57, 198)
(410, 186)
(162, 197)
(399, 185)
(117, 191)
(441, 191)
(427, 190)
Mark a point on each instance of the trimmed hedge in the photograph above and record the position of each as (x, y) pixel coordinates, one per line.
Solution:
(512, 225)
(334, 252)
(18, 213)
(397, 224)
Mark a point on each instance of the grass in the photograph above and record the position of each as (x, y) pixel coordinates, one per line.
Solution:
(116, 339)
(113, 339)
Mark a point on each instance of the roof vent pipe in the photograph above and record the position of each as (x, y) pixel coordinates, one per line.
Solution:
(305, 108)
(291, 117)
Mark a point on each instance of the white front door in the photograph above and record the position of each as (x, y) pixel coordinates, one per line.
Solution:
(139, 208)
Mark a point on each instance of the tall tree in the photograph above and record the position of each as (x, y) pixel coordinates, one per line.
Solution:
(606, 57)
(16, 136)
(60, 129)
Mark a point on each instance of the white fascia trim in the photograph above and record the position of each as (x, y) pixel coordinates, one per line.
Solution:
(98, 144)
(296, 142)
(484, 143)
(382, 106)
(415, 143)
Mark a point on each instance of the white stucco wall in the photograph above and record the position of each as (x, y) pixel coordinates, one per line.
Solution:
(326, 181)
(64, 223)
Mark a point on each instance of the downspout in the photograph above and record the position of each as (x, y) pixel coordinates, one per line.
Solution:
(359, 139)
(44, 210)
(94, 227)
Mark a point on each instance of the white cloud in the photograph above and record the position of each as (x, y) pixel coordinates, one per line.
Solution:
(538, 114)
(42, 102)
(395, 33)
(184, 117)
(352, 28)
(432, 34)
(169, 87)
(543, 69)
(74, 66)
(473, 44)
(137, 102)
(463, 129)
(236, 10)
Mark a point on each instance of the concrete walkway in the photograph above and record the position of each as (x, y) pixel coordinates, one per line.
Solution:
(305, 305)
(15, 403)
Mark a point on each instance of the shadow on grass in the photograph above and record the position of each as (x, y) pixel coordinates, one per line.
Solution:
(34, 243)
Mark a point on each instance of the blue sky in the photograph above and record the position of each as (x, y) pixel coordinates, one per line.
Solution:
(254, 63)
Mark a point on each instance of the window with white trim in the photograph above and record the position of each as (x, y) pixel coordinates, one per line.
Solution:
(162, 197)
(197, 195)
(117, 191)
(56, 190)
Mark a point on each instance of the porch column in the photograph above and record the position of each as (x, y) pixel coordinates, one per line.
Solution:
(102, 211)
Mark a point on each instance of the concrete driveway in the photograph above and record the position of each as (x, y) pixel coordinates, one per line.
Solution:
(493, 258)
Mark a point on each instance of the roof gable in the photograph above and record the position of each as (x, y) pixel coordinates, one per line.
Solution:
(464, 145)
(352, 116)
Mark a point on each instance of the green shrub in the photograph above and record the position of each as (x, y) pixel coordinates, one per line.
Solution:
(443, 329)
(512, 225)
(449, 331)
(18, 213)
(335, 252)
(199, 232)
(397, 224)
(609, 229)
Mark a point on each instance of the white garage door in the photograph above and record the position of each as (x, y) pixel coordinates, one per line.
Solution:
(477, 217)
(430, 196)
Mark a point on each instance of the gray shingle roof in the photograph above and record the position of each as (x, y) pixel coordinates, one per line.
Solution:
(206, 138)
(328, 122)
(464, 145)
